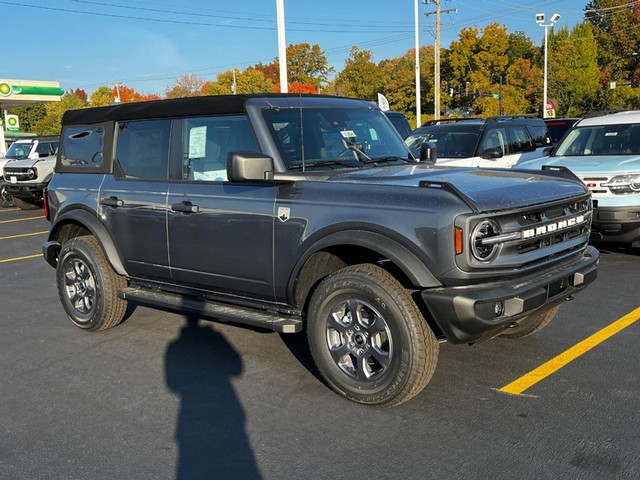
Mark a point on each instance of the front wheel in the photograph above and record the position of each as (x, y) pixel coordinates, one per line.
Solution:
(5, 197)
(88, 286)
(25, 205)
(368, 337)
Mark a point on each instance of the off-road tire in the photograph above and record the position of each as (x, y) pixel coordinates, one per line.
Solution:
(531, 324)
(25, 205)
(354, 355)
(88, 286)
(6, 200)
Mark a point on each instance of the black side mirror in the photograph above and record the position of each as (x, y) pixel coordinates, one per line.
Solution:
(547, 151)
(428, 152)
(249, 167)
(492, 153)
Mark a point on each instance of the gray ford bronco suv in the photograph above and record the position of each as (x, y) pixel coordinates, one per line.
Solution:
(296, 213)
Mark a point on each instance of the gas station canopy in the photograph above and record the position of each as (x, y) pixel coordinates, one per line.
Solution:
(20, 93)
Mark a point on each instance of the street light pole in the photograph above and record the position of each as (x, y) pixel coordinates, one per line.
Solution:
(418, 100)
(540, 21)
(282, 47)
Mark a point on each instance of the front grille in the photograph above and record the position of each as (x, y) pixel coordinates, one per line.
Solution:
(534, 235)
(18, 173)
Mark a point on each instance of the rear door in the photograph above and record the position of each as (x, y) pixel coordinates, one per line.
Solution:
(133, 201)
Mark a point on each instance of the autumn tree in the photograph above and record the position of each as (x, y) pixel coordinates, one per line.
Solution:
(307, 64)
(271, 71)
(50, 124)
(250, 80)
(101, 97)
(187, 85)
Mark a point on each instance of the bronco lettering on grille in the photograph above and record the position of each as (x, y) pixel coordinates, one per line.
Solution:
(554, 227)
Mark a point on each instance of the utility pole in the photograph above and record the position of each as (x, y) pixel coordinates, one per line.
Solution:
(436, 58)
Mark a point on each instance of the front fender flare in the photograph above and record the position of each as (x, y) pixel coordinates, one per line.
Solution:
(415, 269)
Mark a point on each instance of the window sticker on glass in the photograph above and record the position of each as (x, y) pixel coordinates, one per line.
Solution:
(348, 134)
(197, 142)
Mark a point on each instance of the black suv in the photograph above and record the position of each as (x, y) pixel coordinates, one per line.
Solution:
(500, 142)
(295, 213)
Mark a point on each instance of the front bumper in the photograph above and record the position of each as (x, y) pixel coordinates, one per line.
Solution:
(468, 314)
(31, 192)
(616, 224)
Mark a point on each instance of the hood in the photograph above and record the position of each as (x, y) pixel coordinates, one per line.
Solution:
(28, 162)
(487, 189)
(587, 165)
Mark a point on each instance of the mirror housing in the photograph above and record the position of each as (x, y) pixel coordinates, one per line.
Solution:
(249, 167)
(492, 153)
(428, 152)
(547, 151)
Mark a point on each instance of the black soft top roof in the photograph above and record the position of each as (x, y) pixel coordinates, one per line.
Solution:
(175, 107)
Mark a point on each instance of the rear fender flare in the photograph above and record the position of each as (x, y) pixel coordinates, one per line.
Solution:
(97, 229)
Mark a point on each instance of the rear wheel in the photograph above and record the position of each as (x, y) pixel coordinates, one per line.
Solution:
(25, 205)
(88, 286)
(368, 337)
(531, 324)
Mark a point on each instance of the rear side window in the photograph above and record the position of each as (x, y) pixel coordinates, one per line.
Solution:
(520, 140)
(82, 146)
(142, 148)
(46, 149)
(540, 135)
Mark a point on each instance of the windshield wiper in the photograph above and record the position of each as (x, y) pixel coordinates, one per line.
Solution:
(323, 163)
(390, 158)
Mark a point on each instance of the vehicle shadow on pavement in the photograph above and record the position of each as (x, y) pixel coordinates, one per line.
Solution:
(210, 428)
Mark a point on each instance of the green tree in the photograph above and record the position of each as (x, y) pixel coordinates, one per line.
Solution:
(616, 28)
(52, 121)
(361, 77)
(573, 76)
(29, 116)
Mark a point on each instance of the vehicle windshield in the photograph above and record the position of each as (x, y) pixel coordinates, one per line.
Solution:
(449, 144)
(19, 150)
(620, 139)
(336, 137)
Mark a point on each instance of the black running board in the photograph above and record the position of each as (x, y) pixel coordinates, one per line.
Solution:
(220, 311)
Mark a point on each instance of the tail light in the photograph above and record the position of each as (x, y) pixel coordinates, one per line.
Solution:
(45, 202)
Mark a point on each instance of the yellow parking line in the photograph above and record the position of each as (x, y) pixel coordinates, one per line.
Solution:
(543, 371)
(7, 260)
(24, 235)
(21, 219)
(9, 210)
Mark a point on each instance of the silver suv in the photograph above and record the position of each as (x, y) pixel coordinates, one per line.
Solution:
(27, 169)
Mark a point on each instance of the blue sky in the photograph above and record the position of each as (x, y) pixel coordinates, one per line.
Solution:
(146, 44)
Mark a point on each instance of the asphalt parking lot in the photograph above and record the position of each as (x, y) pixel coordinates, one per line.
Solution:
(163, 396)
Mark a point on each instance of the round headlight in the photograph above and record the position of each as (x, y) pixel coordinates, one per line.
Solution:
(485, 229)
(634, 183)
(31, 173)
